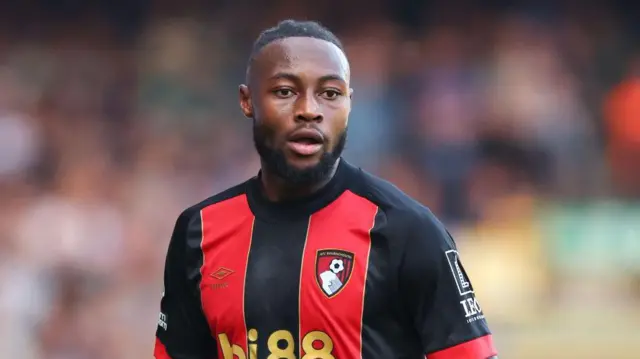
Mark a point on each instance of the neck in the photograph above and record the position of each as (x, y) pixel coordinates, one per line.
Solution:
(277, 189)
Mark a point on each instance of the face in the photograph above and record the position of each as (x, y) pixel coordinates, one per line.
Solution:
(299, 99)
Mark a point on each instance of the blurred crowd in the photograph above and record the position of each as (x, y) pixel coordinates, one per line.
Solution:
(117, 115)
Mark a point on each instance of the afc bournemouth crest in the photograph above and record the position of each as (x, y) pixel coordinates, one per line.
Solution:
(333, 270)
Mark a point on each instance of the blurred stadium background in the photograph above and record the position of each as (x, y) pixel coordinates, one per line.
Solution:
(516, 122)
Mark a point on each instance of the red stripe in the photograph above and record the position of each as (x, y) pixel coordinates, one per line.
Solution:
(479, 348)
(343, 225)
(160, 351)
(226, 239)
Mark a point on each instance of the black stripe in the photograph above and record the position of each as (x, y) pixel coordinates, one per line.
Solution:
(195, 261)
(273, 280)
(385, 333)
(194, 254)
(187, 331)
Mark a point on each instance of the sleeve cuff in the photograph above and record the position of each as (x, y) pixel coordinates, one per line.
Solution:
(478, 348)
(160, 351)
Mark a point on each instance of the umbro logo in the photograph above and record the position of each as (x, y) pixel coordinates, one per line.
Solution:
(221, 273)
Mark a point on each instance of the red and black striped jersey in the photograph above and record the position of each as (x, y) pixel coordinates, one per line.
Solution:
(357, 270)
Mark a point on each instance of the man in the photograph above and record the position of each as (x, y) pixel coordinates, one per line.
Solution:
(313, 258)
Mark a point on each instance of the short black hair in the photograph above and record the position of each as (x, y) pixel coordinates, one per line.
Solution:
(294, 28)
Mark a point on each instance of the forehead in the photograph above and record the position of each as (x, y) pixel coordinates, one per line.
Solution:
(302, 56)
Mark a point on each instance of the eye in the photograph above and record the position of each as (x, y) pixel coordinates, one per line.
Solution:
(283, 92)
(331, 94)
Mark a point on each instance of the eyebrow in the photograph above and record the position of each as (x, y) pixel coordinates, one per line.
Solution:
(292, 77)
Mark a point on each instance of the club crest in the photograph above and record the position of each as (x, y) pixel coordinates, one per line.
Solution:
(333, 270)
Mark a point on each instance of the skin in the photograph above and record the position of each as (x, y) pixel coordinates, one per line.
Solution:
(294, 83)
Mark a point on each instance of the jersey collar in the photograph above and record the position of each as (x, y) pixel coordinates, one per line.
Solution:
(299, 208)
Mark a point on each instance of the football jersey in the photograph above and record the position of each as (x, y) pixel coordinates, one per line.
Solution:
(356, 270)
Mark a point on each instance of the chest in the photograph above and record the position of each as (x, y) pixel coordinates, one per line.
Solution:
(315, 278)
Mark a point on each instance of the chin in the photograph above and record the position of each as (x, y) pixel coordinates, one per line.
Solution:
(304, 162)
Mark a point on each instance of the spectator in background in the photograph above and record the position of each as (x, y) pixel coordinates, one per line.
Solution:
(447, 117)
(535, 102)
(622, 114)
(371, 121)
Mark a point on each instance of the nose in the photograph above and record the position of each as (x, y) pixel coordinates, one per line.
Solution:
(308, 109)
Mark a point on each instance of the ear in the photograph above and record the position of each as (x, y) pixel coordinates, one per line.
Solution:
(245, 101)
(350, 94)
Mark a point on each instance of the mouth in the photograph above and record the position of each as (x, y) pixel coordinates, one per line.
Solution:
(305, 142)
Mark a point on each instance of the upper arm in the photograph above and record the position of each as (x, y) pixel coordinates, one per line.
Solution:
(183, 331)
(439, 296)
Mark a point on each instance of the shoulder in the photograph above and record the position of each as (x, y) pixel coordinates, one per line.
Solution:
(396, 205)
(405, 216)
(186, 239)
(386, 195)
(192, 213)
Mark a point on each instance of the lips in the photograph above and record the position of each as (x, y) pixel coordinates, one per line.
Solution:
(305, 141)
(307, 135)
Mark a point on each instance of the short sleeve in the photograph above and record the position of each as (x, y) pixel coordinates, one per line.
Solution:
(182, 332)
(440, 297)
